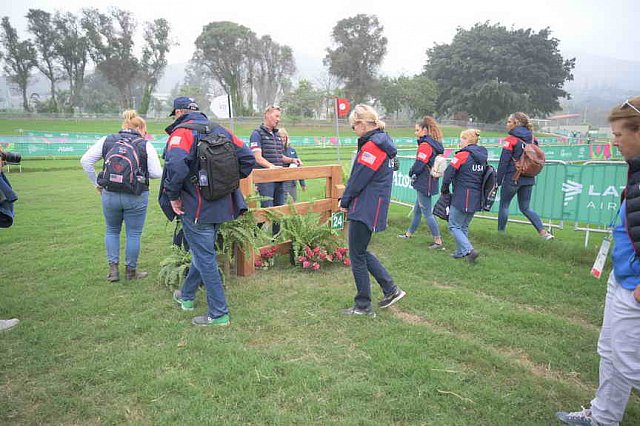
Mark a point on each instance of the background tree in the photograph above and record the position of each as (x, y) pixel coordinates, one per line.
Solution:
(98, 95)
(45, 40)
(360, 49)
(154, 58)
(111, 48)
(72, 48)
(489, 71)
(416, 96)
(305, 101)
(274, 68)
(19, 59)
(224, 49)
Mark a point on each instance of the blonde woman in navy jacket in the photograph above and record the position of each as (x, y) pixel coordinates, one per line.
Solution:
(465, 172)
(429, 146)
(366, 201)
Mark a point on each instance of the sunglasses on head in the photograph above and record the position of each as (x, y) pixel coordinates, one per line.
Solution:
(630, 105)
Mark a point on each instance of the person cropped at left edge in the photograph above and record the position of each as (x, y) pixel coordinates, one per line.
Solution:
(129, 162)
(366, 200)
(180, 195)
(7, 198)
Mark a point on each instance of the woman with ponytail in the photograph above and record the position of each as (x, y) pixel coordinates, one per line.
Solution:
(429, 146)
(520, 132)
(126, 207)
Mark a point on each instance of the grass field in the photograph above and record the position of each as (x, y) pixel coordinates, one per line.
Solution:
(509, 341)
(156, 127)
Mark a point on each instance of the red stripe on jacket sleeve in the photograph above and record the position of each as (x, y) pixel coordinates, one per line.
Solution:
(424, 152)
(181, 138)
(509, 143)
(371, 156)
(459, 159)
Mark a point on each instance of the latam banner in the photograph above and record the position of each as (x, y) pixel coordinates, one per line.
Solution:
(588, 193)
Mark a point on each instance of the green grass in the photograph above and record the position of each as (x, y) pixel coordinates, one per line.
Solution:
(156, 127)
(509, 341)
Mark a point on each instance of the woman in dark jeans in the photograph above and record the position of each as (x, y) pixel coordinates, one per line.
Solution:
(366, 200)
(520, 132)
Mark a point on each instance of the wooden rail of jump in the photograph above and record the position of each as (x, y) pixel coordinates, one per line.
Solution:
(326, 206)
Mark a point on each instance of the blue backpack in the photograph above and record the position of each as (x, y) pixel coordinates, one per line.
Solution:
(124, 167)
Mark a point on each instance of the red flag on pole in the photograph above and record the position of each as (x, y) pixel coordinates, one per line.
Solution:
(342, 106)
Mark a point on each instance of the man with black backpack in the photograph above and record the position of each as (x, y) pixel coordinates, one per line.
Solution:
(203, 191)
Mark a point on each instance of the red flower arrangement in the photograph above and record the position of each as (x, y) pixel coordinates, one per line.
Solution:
(266, 259)
(312, 259)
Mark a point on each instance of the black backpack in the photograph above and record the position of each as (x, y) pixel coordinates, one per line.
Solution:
(489, 187)
(123, 169)
(216, 170)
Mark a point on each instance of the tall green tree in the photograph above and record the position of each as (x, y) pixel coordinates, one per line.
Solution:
(225, 50)
(19, 58)
(72, 48)
(360, 49)
(490, 71)
(304, 101)
(45, 39)
(274, 67)
(416, 96)
(154, 58)
(111, 48)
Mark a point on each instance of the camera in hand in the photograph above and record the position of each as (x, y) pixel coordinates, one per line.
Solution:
(11, 157)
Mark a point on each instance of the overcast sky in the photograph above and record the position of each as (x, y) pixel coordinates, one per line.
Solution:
(600, 27)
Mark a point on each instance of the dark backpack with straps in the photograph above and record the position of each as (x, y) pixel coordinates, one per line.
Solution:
(489, 188)
(124, 168)
(216, 170)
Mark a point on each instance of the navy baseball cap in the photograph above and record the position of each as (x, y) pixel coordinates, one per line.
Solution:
(184, 102)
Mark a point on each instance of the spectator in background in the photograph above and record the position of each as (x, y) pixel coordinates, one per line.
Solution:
(7, 198)
(520, 132)
(465, 172)
(289, 151)
(119, 207)
(619, 342)
(429, 145)
(366, 200)
(268, 150)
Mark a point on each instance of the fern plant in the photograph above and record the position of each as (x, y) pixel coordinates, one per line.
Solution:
(174, 268)
(305, 231)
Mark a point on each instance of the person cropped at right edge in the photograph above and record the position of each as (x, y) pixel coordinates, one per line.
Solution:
(619, 342)
(520, 132)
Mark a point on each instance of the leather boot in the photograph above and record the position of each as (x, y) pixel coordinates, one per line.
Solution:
(133, 274)
(114, 274)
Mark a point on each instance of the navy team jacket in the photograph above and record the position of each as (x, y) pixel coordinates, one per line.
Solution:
(423, 182)
(176, 178)
(368, 191)
(512, 149)
(465, 172)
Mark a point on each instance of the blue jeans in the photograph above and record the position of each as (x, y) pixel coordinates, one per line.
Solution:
(459, 227)
(132, 209)
(423, 208)
(204, 266)
(364, 262)
(507, 192)
(274, 190)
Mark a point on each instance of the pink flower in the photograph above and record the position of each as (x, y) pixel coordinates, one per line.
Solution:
(308, 251)
(315, 266)
(322, 256)
(316, 250)
(306, 264)
(301, 259)
(258, 263)
(339, 255)
(347, 261)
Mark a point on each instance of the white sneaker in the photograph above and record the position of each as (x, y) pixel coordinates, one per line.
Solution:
(7, 324)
